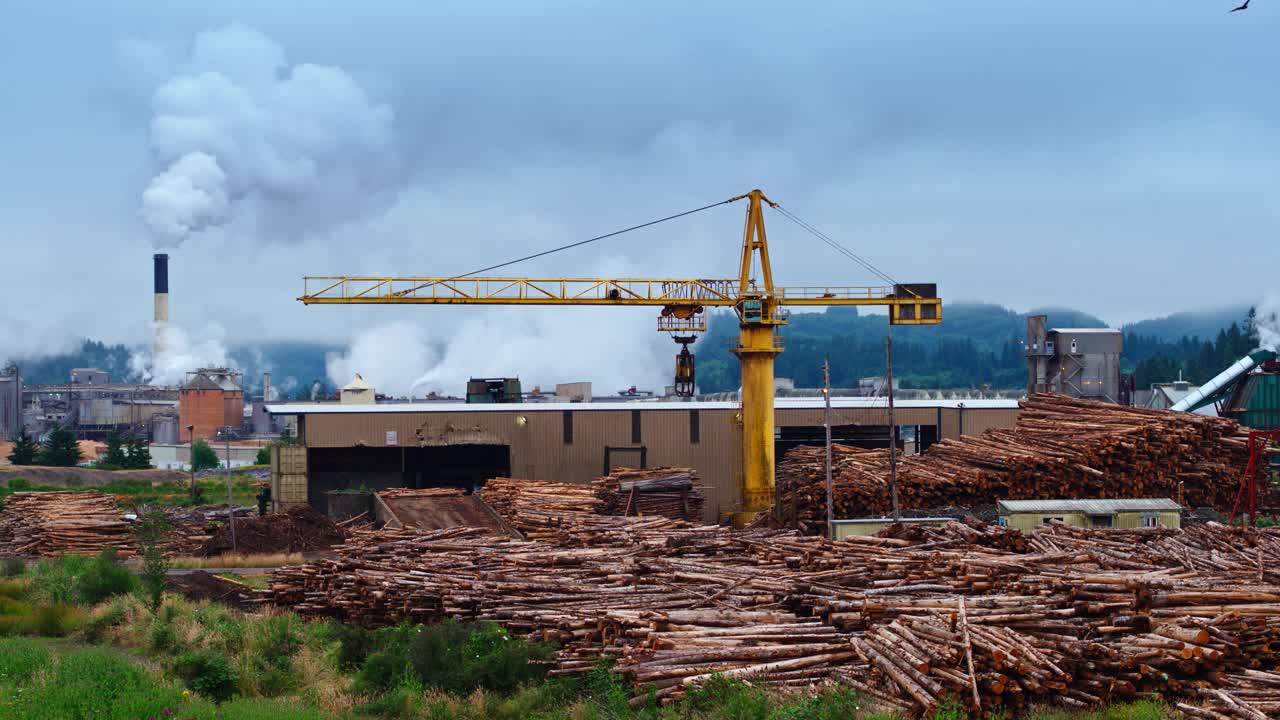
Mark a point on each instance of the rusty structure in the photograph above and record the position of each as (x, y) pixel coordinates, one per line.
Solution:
(209, 399)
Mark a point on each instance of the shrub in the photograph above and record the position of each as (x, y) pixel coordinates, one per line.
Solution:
(203, 456)
(54, 580)
(104, 619)
(264, 456)
(150, 531)
(20, 658)
(451, 657)
(207, 673)
(11, 567)
(56, 620)
(104, 577)
(19, 485)
(161, 636)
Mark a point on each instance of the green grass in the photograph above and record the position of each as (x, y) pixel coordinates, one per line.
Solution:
(135, 491)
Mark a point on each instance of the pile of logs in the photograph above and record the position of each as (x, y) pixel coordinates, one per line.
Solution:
(669, 492)
(1061, 447)
(1066, 617)
(538, 507)
(65, 522)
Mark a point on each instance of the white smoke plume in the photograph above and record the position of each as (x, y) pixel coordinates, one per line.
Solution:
(22, 338)
(1267, 323)
(613, 349)
(389, 357)
(179, 354)
(241, 132)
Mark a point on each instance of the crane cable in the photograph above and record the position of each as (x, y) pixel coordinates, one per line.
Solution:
(591, 240)
(866, 264)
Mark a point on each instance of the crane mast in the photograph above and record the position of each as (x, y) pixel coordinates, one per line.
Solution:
(760, 306)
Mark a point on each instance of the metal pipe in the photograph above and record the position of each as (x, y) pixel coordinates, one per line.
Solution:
(893, 429)
(1222, 379)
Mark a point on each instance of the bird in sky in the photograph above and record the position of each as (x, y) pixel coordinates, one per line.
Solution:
(1244, 6)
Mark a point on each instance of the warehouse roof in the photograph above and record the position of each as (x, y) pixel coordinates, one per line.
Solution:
(1084, 331)
(1090, 507)
(302, 408)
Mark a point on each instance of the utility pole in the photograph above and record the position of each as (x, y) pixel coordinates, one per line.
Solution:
(231, 509)
(191, 438)
(893, 428)
(826, 421)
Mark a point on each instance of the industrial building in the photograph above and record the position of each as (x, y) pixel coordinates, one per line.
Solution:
(1080, 362)
(1027, 515)
(10, 402)
(458, 444)
(211, 398)
(94, 405)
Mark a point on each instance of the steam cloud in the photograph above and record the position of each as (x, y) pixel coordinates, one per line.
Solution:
(241, 132)
(541, 348)
(389, 357)
(179, 355)
(1267, 322)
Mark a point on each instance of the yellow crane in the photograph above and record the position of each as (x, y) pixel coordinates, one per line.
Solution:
(759, 304)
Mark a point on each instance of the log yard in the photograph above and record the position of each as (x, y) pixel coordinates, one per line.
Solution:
(330, 387)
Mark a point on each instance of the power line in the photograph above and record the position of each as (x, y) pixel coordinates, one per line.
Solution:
(866, 264)
(580, 243)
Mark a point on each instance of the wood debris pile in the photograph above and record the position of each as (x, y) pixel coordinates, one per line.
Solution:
(669, 492)
(1061, 447)
(65, 522)
(984, 615)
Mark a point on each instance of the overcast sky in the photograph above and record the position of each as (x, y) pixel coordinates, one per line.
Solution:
(1117, 157)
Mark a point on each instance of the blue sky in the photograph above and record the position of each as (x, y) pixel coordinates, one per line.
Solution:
(1120, 158)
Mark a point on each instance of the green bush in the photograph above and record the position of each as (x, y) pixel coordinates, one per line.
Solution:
(203, 456)
(12, 567)
(207, 673)
(151, 530)
(451, 657)
(20, 658)
(74, 579)
(54, 580)
(104, 577)
(19, 484)
(56, 620)
(161, 635)
(104, 619)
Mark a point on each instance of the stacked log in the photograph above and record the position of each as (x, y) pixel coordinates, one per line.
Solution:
(1061, 447)
(539, 507)
(669, 492)
(1068, 616)
(66, 522)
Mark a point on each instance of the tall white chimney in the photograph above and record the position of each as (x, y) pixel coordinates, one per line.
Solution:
(266, 387)
(162, 302)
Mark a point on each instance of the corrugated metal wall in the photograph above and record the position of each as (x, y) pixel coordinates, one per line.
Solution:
(537, 438)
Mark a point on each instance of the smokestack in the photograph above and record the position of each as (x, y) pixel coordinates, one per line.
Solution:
(266, 387)
(162, 302)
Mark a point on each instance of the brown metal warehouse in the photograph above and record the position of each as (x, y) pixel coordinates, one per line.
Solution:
(429, 444)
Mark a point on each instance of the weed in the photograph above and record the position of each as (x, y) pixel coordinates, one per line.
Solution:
(54, 579)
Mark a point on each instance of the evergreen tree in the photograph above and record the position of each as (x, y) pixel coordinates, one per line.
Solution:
(115, 458)
(203, 457)
(139, 454)
(25, 451)
(61, 449)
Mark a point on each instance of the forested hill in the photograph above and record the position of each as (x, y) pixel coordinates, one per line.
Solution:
(977, 344)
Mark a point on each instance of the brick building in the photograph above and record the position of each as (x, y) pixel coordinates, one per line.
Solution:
(210, 398)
